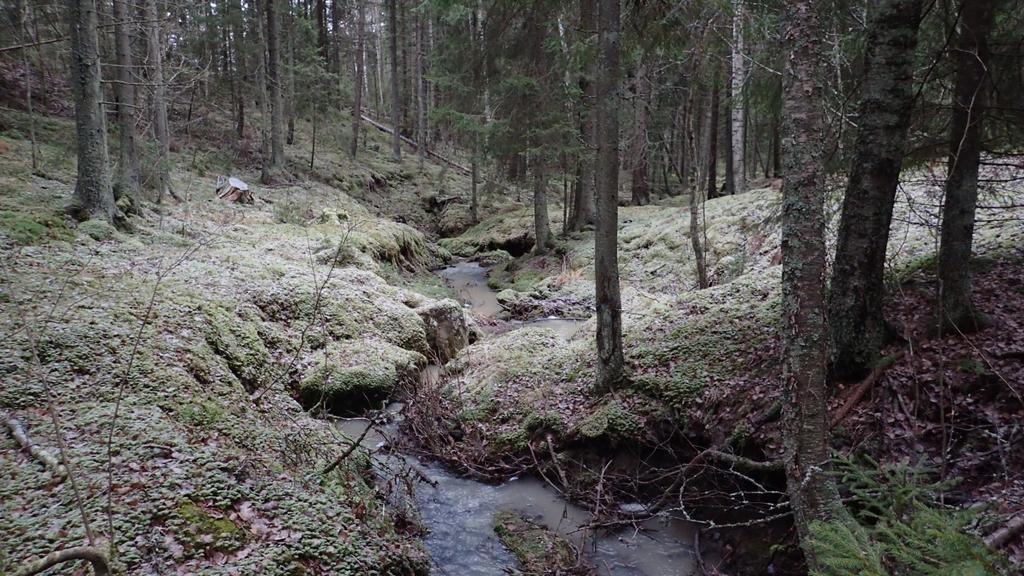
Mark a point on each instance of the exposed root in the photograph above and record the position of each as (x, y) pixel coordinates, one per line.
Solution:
(95, 556)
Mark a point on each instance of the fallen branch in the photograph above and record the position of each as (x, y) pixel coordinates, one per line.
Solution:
(410, 142)
(95, 556)
(348, 452)
(49, 460)
(1002, 537)
(861, 389)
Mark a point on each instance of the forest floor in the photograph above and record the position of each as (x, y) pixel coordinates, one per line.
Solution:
(705, 367)
(217, 332)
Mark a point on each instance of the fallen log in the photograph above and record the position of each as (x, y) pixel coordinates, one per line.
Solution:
(1004, 535)
(430, 153)
(48, 460)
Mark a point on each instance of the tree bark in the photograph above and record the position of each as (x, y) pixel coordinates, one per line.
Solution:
(161, 130)
(641, 194)
(541, 221)
(421, 93)
(970, 97)
(274, 82)
(396, 99)
(712, 136)
(93, 194)
(856, 319)
(360, 58)
(126, 181)
(262, 96)
(736, 103)
(812, 492)
(610, 362)
(585, 191)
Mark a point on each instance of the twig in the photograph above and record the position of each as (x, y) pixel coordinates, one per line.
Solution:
(99, 561)
(49, 460)
(348, 451)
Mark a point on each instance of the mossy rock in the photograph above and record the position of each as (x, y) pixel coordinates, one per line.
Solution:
(352, 374)
(98, 230)
(238, 342)
(538, 550)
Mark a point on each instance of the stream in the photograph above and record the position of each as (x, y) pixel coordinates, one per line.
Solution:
(458, 512)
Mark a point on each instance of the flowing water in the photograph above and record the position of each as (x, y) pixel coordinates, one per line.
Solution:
(459, 513)
(469, 281)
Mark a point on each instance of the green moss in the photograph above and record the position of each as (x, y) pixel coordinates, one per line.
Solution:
(538, 550)
(98, 230)
(205, 414)
(34, 227)
(209, 532)
(611, 420)
(352, 374)
(238, 342)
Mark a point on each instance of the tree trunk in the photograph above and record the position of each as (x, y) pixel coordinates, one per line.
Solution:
(274, 83)
(736, 102)
(26, 38)
(541, 221)
(93, 194)
(474, 210)
(610, 362)
(421, 94)
(262, 97)
(161, 130)
(812, 492)
(585, 191)
(396, 100)
(238, 73)
(290, 107)
(641, 193)
(712, 136)
(360, 57)
(856, 319)
(126, 182)
(970, 97)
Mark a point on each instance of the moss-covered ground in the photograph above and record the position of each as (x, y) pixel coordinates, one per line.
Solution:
(702, 362)
(201, 327)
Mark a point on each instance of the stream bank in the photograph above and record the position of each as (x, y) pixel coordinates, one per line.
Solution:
(458, 514)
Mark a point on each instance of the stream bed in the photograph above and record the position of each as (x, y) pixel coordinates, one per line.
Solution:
(458, 513)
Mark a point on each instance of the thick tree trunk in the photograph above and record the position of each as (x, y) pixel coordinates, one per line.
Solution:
(474, 206)
(641, 193)
(93, 194)
(970, 97)
(856, 319)
(274, 81)
(161, 130)
(238, 72)
(585, 191)
(812, 492)
(262, 97)
(421, 94)
(610, 362)
(541, 221)
(126, 182)
(712, 136)
(360, 60)
(737, 107)
(290, 106)
(396, 97)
